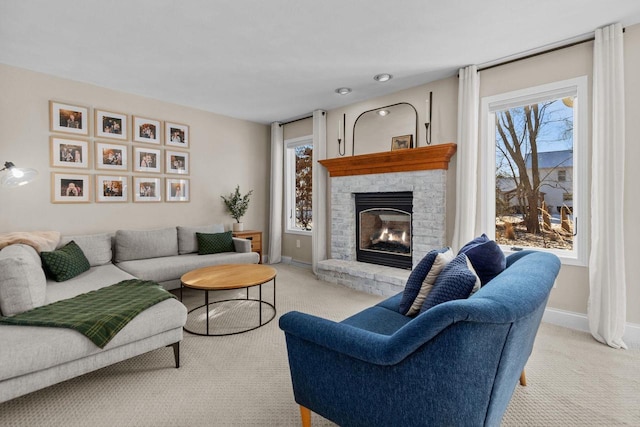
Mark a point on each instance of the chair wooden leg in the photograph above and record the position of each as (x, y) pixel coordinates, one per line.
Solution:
(523, 379)
(305, 414)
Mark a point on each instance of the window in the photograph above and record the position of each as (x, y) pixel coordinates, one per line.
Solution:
(298, 185)
(535, 169)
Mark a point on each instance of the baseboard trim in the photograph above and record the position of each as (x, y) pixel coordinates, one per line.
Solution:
(295, 263)
(579, 321)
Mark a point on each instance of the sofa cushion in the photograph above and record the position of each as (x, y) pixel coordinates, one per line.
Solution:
(64, 263)
(486, 256)
(214, 243)
(171, 268)
(92, 279)
(96, 247)
(441, 261)
(22, 280)
(187, 242)
(143, 244)
(417, 276)
(456, 281)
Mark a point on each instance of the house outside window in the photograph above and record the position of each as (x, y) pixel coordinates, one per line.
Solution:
(298, 185)
(535, 173)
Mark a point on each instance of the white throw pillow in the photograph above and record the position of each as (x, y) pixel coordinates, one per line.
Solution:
(439, 264)
(23, 285)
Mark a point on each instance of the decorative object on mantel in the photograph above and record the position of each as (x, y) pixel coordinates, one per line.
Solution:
(387, 108)
(15, 177)
(401, 142)
(427, 116)
(421, 158)
(237, 206)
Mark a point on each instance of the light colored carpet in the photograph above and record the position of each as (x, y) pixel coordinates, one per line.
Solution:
(243, 380)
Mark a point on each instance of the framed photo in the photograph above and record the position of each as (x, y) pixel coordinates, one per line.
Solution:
(176, 135)
(146, 189)
(146, 159)
(111, 125)
(68, 118)
(70, 188)
(177, 190)
(69, 153)
(176, 162)
(146, 130)
(111, 156)
(401, 142)
(111, 188)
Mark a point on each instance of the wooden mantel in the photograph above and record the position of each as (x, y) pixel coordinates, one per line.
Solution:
(412, 159)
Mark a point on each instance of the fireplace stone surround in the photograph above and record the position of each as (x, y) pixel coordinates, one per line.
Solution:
(426, 179)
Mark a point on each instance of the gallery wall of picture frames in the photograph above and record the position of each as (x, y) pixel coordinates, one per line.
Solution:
(126, 157)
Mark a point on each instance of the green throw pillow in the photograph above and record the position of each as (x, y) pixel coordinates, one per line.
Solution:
(214, 243)
(65, 263)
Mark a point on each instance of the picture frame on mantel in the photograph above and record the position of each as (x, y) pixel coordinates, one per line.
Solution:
(68, 118)
(401, 142)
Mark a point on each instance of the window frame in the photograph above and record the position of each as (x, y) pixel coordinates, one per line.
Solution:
(290, 185)
(488, 106)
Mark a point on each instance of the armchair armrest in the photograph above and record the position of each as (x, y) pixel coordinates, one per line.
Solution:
(358, 343)
(241, 245)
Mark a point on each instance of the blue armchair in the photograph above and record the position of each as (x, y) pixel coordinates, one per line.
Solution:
(457, 363)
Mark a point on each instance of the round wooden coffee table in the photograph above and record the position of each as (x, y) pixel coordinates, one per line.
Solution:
(228, 277)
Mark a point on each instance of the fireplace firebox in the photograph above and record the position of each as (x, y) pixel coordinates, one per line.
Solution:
(383, 228)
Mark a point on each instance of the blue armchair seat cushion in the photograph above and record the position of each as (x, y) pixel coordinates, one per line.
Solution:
(378, 319)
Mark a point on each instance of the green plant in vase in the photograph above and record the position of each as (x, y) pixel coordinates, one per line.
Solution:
(237, 205)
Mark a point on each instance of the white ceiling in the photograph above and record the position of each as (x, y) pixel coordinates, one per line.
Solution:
(268, 60)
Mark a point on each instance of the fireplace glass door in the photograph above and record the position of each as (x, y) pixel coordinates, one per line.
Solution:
(383, 222)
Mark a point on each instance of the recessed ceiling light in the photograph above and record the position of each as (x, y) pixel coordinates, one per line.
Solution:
(384, 77)
(383, 112)
(343, 90)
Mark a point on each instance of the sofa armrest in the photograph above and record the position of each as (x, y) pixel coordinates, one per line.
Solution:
(241, 245)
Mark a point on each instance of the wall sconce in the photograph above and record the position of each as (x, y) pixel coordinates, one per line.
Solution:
(341, 132)
(15, 177)
(427, 125)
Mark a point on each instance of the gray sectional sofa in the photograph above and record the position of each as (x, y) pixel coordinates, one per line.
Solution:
(32, 357)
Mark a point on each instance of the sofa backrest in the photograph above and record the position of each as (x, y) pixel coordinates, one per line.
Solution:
(96, 247)
(187, 242)
(142, 244)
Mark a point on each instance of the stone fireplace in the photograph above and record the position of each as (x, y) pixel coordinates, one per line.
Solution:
(421, 172)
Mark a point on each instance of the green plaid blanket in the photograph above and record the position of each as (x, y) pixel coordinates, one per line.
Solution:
(99, 314)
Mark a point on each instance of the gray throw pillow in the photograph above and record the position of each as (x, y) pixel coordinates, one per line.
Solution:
(23, 284)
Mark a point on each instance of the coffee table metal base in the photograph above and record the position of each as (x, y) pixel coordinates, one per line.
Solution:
(207, 304)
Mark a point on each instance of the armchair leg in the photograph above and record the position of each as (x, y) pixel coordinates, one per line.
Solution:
(523, 379)
(305, 414)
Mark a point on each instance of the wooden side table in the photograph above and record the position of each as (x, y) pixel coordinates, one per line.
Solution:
(256, 240)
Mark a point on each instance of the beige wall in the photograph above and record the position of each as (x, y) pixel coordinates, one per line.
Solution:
(290, 242)
(572, 287)
(224, 152)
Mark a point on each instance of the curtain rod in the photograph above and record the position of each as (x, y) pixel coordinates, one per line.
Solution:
(296, 120)
(553, 49)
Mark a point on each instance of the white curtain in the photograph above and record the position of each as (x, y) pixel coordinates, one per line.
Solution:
(277, 170)
(319, 194)
(607, 300)
(467, 153)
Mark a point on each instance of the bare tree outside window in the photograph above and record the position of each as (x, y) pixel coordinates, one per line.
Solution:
(304, 187)
(534, 173)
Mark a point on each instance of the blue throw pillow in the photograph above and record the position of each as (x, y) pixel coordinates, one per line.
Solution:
(417, 276)
(454, 282)
(486, 257)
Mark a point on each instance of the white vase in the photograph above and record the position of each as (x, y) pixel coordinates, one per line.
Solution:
(238, 226)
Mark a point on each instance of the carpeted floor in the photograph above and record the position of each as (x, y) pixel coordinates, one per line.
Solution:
(243, 380)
